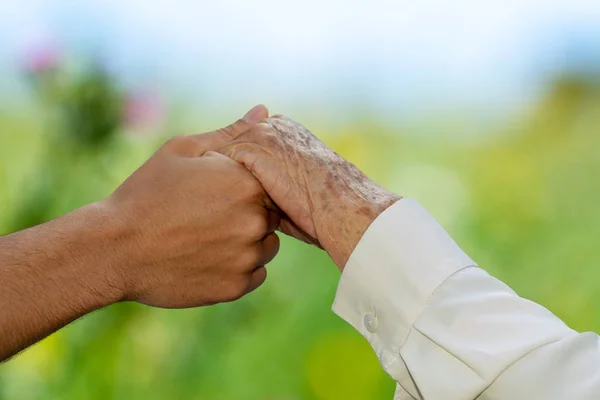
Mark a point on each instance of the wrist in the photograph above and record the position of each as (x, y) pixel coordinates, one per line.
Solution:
(345, 219)
(99, 253)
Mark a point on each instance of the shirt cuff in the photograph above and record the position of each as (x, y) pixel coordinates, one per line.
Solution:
(393, 271)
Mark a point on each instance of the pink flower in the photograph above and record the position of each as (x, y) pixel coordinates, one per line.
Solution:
(143, 110)
(41, 58)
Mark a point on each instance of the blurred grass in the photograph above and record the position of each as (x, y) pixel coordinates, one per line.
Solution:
(522, 201)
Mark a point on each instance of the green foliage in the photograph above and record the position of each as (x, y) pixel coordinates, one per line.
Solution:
(523, 204)
(81, 112)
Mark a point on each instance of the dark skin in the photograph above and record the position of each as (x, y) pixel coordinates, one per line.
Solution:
(188, 228)
(192, 227)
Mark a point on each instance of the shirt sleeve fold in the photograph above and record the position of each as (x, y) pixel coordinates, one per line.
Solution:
(445, 329)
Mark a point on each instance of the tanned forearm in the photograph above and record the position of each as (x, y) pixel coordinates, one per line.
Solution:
(54, 273)
(189, 228)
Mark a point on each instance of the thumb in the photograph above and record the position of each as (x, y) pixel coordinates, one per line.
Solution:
(252, 117)
(213, 141)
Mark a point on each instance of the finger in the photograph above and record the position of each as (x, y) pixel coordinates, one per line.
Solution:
(264, 200)
(289, 228)
(250, 155)
(259, 275)
(252, 117)
(270, 205)
(182, 145)
(270, 248)
(273, 221)
(240, 152)
(212, 153)
(210, 141)
(213, 141)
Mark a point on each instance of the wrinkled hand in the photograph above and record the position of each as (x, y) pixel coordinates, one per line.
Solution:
(196, 226)
(327, 201)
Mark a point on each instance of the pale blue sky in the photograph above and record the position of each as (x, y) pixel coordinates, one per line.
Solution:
(391, 55)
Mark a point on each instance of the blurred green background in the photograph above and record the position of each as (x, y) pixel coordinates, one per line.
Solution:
(517, 188)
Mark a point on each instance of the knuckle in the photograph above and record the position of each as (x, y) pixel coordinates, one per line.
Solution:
(250, 186)
(249, 260)
(235, 288)
(175, 140)
(230, 150)
(262, 274)
(261, 136)
(257, 227)
(261, 129)
(274, 121)
(275, 243)
(226, 132)
(270, 137)
(180, 143)
(240, 151)
(230, 131)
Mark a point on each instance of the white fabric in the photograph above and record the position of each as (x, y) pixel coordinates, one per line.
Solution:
(446, 330)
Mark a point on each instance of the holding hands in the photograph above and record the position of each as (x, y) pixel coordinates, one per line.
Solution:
(199, 216)
(193, 226)
(316, 188)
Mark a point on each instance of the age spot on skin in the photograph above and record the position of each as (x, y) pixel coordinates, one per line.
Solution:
(329, 184)
(365, 211)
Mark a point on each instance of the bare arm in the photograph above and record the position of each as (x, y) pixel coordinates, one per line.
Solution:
(188, 228)
(53, 274)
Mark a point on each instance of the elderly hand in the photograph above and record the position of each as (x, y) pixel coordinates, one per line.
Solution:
(327, 201)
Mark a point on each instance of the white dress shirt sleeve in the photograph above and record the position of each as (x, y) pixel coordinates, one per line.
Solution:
(446, 330)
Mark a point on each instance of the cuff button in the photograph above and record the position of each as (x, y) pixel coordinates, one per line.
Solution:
(371, 322)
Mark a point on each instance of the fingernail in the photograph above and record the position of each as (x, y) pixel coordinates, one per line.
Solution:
(255, 115)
